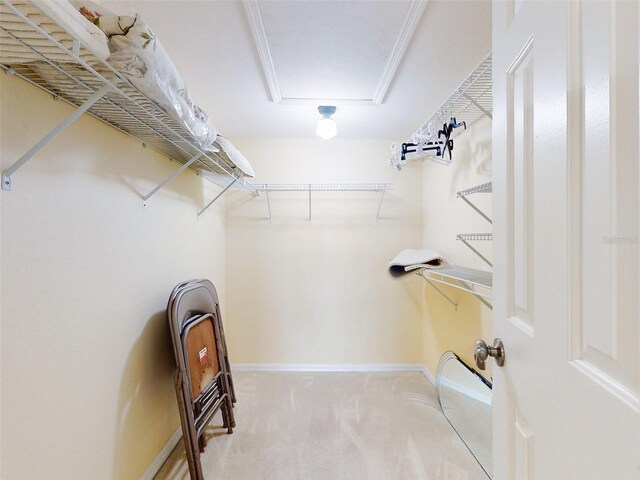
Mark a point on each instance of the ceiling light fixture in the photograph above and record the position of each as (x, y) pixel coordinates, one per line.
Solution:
(327, 126)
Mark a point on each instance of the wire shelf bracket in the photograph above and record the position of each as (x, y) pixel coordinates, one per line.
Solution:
(462, 278)
(170, 178)
(467, 237)
(93, 86)
(322, 187)
(484, 188)
(455, 305)
(380, 204)
(217, 197)
(7, 183)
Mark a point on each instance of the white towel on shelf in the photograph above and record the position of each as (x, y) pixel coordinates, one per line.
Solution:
(409, 260)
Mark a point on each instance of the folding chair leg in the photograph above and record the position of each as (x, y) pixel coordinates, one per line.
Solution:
(190, 445)
(232, 420)
(227, 415)
(227, 365)
(232, 390)
(224, 365)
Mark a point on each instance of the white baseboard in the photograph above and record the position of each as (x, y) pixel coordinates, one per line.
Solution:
(313, 367)
(429, 374)
(162, 456)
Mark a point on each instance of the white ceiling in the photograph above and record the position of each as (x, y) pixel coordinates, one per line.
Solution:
(362, 52)
(301, 46)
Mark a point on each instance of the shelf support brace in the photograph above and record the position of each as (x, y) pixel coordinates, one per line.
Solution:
(476, 251)
(217, 197)
(476, 208)
(479, 297)
(478, 106)
(380, 204)
(169, 179)
(465, 288)
(266, 190)
(6, 175)
(455, 305)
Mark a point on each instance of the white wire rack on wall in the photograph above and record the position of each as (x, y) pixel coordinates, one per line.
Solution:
(468, 103)
(70, 72)
(477, 282)
(381, 188)
(484, 188)
(467, 237)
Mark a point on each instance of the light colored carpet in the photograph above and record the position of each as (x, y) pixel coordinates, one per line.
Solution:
(332, 426)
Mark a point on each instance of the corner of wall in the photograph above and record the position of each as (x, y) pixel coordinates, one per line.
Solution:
(444, 216)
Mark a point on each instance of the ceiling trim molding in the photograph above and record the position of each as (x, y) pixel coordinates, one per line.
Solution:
(256, 25)
(411, 20)
(326, 101)
(254, 17)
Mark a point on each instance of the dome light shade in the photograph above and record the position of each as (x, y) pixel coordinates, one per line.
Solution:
(327, 127)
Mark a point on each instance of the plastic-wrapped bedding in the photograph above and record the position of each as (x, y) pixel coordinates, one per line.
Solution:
(138, 54)
(100, 37)
(235, 156)
(60, 20)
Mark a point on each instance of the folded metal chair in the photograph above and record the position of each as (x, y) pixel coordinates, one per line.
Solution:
(202, 374)
(200, 296)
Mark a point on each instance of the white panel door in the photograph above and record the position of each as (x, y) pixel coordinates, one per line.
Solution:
(566, 239)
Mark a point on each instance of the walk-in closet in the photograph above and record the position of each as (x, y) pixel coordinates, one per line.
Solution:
(319, 239)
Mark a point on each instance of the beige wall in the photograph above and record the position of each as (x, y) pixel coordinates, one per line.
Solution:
(86, 357)
(317, 292)
(445, 215)
(86, 271)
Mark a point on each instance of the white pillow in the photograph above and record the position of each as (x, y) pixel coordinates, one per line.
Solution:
(236, 157)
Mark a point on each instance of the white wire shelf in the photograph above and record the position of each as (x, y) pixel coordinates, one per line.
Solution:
(93, 86)
(477, 282)
(468, 103)
(475, 236)
(323, 187)
(484, 188)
